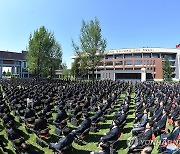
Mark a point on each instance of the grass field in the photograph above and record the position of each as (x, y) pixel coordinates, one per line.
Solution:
(92, 140)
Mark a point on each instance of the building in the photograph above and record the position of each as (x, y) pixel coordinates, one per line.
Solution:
(17, 62)
(129, 63)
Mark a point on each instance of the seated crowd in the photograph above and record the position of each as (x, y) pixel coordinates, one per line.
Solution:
(155, 105)
(85, 105)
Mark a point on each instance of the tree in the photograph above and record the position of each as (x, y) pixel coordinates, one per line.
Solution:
(8, 73)
(92, 45)
(75, 68)
(44, 54)
(66, 73)
(4, 73)
(167, 71)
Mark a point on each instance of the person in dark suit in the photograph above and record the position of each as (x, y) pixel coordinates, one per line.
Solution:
(13, 134)
(7, 118)
(113, 134)
(175, 111)
(61, 115)
(141, 125)
(170, 138)
(125, 107)
(161, 124)
(143, 139)
(140, 112)
(173, 136)
(29, 112)
(158, 113)
(121, 117)
(40, 123)
(66, 140)
(104, 148)
(97, 115)
(84, 125)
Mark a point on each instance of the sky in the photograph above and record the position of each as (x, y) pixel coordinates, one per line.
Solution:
(124, 23)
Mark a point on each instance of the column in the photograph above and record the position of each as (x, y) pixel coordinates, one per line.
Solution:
(143, 74)
(20, 69)
(96, 74)
(0, 71)
(12, 70)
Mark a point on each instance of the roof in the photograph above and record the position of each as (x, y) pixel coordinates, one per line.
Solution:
(13, 55)
(142, 50)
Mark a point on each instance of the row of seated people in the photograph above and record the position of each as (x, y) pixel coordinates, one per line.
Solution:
(84, 128)
(158, 102)
(108, 139)
(30, 110)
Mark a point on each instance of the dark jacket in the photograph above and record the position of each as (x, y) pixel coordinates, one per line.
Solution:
(40, 124)
(112, 135)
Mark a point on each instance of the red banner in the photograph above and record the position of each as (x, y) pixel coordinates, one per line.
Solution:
(178, 46)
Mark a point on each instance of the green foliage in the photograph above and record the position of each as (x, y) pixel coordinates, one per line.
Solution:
(8, 73)
(4, 73)
(75, 69)
(44, 54)
(66, 73)
(63, 66)
(92, 46)
(167, 71)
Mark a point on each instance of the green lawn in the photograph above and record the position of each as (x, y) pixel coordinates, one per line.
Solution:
(93, 139)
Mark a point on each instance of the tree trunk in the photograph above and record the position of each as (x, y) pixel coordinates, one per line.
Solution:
(93, 75)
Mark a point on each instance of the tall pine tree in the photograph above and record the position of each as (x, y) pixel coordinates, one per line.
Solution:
(167, 70)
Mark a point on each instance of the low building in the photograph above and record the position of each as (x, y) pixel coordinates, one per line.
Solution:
(128, 63)
(17, 62)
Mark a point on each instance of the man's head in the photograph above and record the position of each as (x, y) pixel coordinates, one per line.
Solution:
(104, 145)
(177, 123)
(86, 115)
(116, 122)
(122, 111)
(161, 103)
(66, 131)
(164, 111)
(145, 111)
(149, 124)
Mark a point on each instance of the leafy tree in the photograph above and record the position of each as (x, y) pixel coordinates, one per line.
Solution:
(66, 73)
(75, 68)
(44, 54)
(92, 45)
(4, 73)
(8, 73)
(63, 66)
(167, 71)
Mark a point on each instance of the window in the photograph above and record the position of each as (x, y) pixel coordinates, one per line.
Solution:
(24, 64)
(138, 62)
(100, 64)
(170, 56)
(146, 55)
(128, 68)
(138, 55)
(137, 68)
(110, 63)
(128, 56)
(119, 63)
(109, 56)
(119, 56)
(119, 68)
(155, 55)
(128, 62)
(172, 63)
